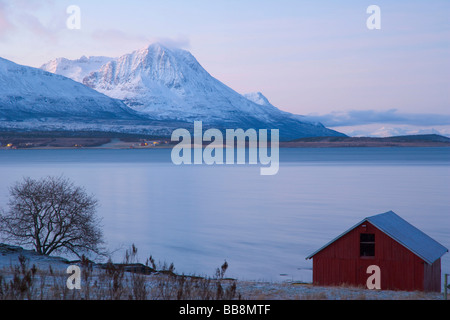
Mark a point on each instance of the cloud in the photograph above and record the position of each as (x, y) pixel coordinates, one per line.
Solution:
(392, 130)
(20, 15)
(180, 42)
(37, 28)
(115, 38)
(392, 116)
(6, 25)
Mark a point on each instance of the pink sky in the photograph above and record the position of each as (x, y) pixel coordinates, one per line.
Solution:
(305, 57)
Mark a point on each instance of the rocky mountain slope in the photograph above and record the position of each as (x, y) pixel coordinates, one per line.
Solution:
(170, 85)
(30, 93)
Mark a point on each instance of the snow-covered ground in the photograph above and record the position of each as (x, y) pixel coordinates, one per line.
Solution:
(249, 290)
(299, 291)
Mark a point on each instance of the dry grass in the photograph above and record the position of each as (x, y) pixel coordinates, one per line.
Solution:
(113, 282)
(132, 280)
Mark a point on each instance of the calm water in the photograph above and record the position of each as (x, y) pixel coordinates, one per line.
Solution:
(263, 226)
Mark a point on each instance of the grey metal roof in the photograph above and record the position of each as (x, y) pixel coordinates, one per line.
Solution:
(404, 233)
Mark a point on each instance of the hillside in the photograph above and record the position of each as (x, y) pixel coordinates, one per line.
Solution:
(32, 94)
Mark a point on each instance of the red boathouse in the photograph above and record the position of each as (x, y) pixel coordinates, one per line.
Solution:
(408, 258)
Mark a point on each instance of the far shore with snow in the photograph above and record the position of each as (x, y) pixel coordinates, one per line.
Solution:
(110, 141)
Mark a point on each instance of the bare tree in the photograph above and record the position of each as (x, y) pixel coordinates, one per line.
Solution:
(52, 215)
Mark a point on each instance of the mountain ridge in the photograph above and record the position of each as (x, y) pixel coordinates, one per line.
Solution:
(170, 84)
(152, 90)
(31, 93)
(77, 69)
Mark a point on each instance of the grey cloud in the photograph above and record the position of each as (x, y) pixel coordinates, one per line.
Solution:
(362, 117)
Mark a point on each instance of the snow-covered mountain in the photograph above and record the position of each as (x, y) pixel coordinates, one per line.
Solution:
(258, 98)
(75, 69)
(170, 85)
(30, 93)
(388, 130)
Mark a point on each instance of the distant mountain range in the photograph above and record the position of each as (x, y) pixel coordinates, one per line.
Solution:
(75, 69)
(152, 90)
(425, 140)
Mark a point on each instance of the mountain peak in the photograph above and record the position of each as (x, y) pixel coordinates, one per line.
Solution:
(258, 98)
(151, 49)
(157, 46)
(160, 51)
(151, 71)
(169, 84)
(154, 51)
(75, 69)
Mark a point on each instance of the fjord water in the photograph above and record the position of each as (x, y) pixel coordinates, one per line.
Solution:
(263, 226)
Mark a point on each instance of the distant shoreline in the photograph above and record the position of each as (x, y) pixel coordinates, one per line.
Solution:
(42, 140)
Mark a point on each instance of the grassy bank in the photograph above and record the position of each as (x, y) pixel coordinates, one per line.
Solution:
(26, 275)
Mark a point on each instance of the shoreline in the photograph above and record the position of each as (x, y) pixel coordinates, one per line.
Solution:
(12, 141)
(282, 145)
(244, 289)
